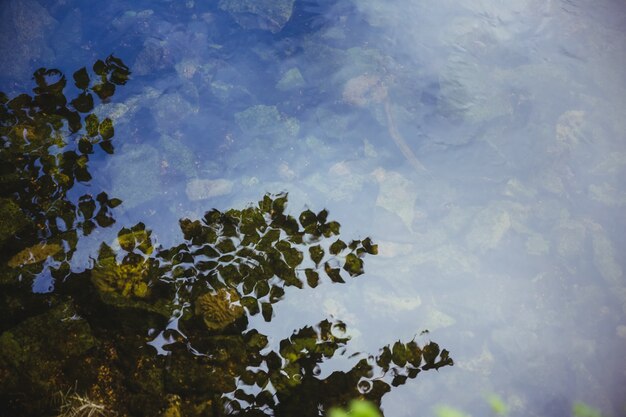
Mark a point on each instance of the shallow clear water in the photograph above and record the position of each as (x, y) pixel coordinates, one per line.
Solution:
(481, 144)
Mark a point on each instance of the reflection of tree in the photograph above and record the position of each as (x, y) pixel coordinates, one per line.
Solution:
(46, 141)
(230, 266)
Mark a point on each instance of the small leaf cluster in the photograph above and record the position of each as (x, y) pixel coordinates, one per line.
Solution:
(259, 251)
(46, 141)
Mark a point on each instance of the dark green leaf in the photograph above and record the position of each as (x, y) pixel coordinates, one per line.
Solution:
(104, 219)
(100, 67)
(337, 247)
(414, 354)
(384, 359)
(81, 79)
(104, 90)
(322, 216)
(83, 103)
(85, 146)
(307, 218)
(86, 206)
(398, 380)
(107, 146)
(267, 311)
(399, 354)
(261, 289)
(430, 352)
(312, 277)
(88, 226)
(333, 273)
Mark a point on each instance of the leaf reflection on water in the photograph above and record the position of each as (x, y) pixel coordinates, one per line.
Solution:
(191, 302)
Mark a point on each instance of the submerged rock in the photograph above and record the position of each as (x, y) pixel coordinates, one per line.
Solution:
(291, 80)
(136, 174)
(271, 15)
(26, 26)
(201, 189)
(267, 122)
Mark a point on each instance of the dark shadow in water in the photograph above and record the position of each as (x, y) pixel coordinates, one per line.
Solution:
(152, 331)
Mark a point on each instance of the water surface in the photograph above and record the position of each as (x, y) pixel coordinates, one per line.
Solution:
(479, 144)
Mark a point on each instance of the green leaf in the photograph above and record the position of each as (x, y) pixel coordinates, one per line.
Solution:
(106, 129)
(81, 79)
(225, 245)
(369, 246)
(91, 125)
(322, 216)
(583, 410)
(333, 273)
(307, 218)
(446, 411)
(114, 202)
(399, 354)
(251, 304)
(276, 294)
(361, 408)
(384, 359)
(312, 277)
(414, 353)
(261, 289)
(331, 228)
(317, 254)
(430, 353)
(337, 247)
(498, 406)
(353, 265)
(278, 207)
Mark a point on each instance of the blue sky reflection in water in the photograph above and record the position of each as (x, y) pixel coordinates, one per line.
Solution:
(480, 144)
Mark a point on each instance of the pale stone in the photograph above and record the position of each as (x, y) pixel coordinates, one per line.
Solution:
(291, 80)
(396, 194)
(489, 227)
(201, 189)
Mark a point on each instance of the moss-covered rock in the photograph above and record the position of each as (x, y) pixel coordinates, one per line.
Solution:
(13, 219)
(219, 309)
(35, 354)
